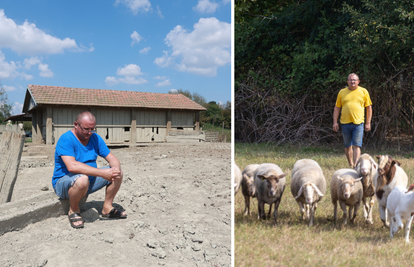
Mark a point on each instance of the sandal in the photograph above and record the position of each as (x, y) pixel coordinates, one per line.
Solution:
(75, 217)
(114, 214)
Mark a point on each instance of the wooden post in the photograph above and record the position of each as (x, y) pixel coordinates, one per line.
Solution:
(133, 131)
(39, 122)
(49, 126)
(197, 121)
(169, 118)
(11, 147)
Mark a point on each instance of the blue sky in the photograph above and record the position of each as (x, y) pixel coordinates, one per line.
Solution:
(131, 45)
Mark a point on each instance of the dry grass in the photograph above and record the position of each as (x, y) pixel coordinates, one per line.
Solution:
(292, 242)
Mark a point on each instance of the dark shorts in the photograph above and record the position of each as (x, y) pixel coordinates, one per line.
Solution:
(352, 134)
(66, 182)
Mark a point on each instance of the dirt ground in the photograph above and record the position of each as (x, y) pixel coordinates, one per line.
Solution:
(178, 200)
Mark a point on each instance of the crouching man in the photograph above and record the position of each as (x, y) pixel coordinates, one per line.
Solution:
(76, 173)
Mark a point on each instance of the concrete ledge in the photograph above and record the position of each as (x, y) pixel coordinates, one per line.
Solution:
(17, 215)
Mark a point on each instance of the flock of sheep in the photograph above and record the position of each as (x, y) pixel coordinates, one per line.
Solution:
(385, 181)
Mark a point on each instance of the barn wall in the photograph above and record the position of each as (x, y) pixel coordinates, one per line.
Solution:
(114, 125)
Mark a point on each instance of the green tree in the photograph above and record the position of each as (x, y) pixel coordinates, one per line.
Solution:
(5, 107)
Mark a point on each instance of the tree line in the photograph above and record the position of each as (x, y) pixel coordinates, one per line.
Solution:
(217, 114)
(293, 57)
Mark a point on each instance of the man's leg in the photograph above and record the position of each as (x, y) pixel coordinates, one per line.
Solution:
(349, 156)
(76, 193)
(111, 191)
(356, 153)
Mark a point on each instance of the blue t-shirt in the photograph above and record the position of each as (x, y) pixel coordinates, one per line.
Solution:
(69, 145)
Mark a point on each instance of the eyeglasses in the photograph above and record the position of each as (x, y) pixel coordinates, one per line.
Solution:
(87, 130)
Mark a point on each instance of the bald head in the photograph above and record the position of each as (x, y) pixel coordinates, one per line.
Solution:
(85, 114)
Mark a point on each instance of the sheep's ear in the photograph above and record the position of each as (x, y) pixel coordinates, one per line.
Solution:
(300, 192)
(378, 156)
(317, 190)
(357, 180)
(282, 175)
(374, 164)
(397, 162)
(340, 178)
(245, 177)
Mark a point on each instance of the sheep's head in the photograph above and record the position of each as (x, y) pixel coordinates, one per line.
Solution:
(347, 185)
(272, 180)
(386, 171)
(365, 164)
(309, 190)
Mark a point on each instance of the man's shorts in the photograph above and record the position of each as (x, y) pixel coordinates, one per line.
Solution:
(352, 134)
(66, 182)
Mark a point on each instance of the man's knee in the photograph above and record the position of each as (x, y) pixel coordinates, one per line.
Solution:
(81, 183)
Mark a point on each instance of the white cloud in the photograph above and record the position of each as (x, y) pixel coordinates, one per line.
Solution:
(129, 70)
(29, 62)
(9, 88)
(173, 91)
(136, 38)
(205, 6)
(160, 77)
(136, 5)
(10, 70)
(201, 51)
(130, 75)
(163, 83)
(28, 39)
(159, 12)
(226, 2)
(45, 71)
(145, 50)
(17, 108)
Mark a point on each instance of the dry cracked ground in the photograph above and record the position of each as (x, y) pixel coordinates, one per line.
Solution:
(178, 200)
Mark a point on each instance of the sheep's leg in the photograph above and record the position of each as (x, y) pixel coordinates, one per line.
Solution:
(350, 209)
(335, 203)
(407, 229)
(356, 208)
(276, 209)
(392, 221)
(312, 209)
(383, 216)
(301, 209)
(366, 208)
(270, 211)
(260, 205)
(343, 207)
(246, 205)
(371, 205)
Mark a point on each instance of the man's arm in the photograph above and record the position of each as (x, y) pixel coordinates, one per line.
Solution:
(74, 166)
(368, 120)
(335, 118)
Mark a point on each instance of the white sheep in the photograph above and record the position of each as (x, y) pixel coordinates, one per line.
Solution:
(346, 188)
(248, 188)
(390, 174)
(400, 206)
(367, 168)
(308, 186)
(237, 177)
(270, 181)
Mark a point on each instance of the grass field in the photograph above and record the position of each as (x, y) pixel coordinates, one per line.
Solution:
(222, 132)
(292, 242)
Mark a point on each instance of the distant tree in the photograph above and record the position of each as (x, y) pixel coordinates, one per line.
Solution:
(5, 108)
(213, 112)
(226, 114)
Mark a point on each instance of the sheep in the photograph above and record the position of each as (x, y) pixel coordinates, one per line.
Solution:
(390, 174)
(270, 182)
(237, 178)
(367, 168)
(248, 188)
(400, 206)
(308, 186)
(347, 189)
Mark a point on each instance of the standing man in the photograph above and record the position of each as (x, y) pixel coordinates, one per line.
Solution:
(76, 173)
(353, 100)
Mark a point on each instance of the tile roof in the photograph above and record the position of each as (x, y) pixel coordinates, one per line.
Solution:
(56, 95)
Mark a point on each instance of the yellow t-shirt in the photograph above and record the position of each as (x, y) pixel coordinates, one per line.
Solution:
(353, 103)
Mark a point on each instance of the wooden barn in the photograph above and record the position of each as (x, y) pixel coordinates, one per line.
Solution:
(122, 117)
